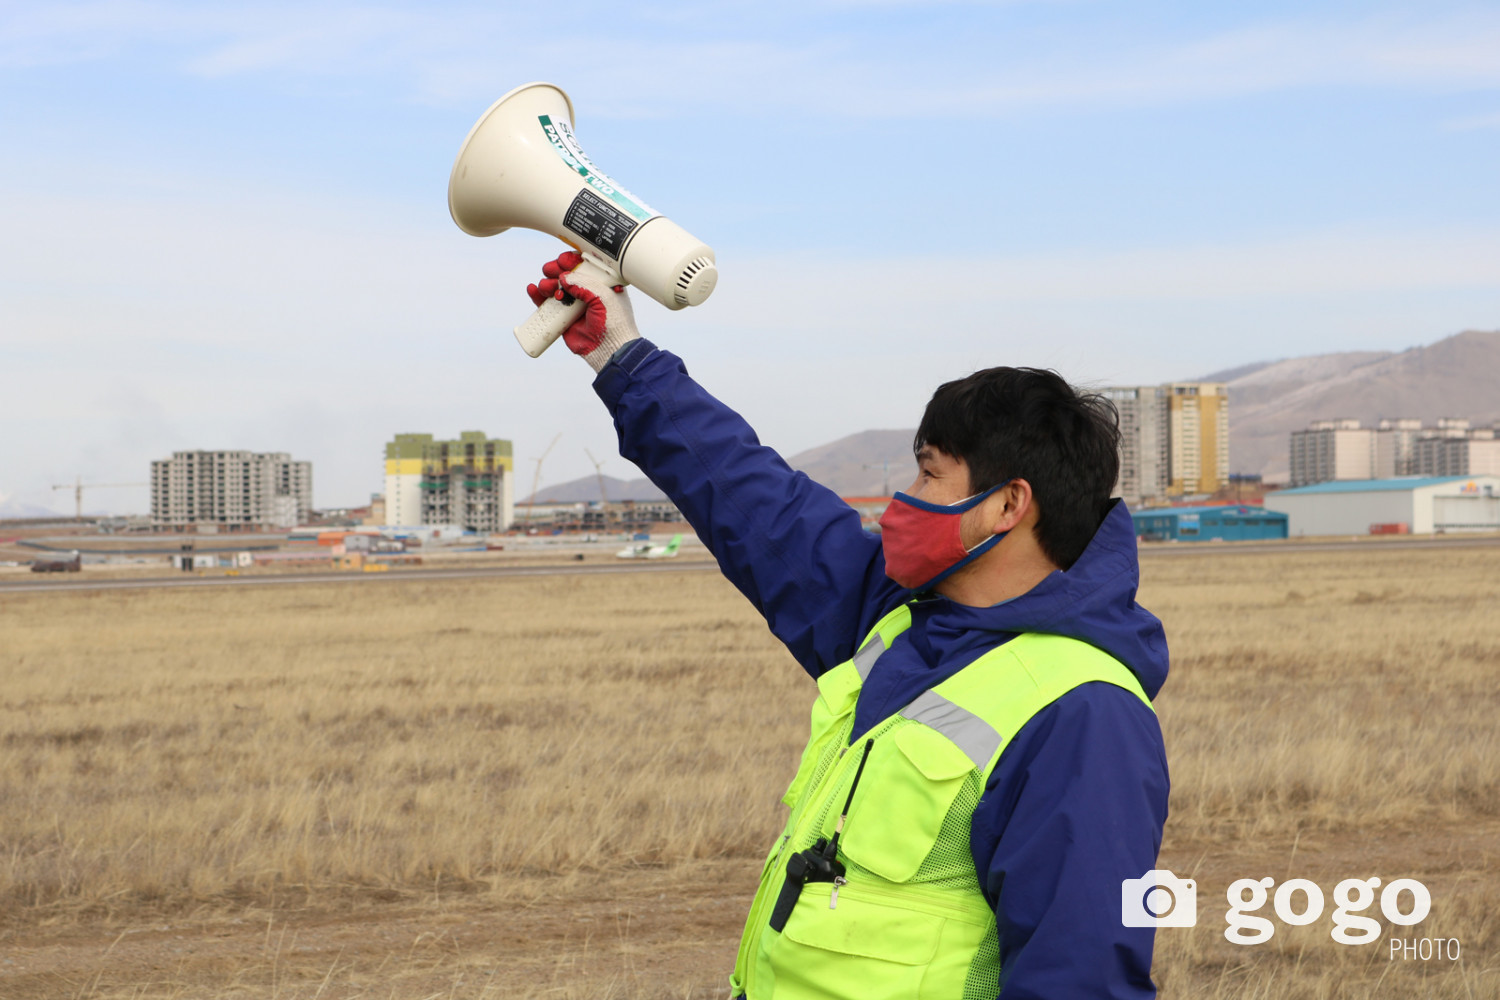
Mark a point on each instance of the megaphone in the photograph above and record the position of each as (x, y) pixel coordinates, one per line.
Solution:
(522, 166)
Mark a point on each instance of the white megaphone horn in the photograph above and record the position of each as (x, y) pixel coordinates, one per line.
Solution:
(521, 166)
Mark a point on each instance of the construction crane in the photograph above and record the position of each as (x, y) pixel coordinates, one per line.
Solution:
(603, 496)
(536, 483)
(599, 472)
(78, 486)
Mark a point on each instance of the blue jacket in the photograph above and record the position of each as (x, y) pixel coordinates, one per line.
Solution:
(1078, 799)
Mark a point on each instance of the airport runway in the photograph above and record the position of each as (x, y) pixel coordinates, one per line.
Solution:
(393, 576)
(1394, 544)
(56, 583)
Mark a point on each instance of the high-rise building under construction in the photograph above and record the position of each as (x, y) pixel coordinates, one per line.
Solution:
(465, 482)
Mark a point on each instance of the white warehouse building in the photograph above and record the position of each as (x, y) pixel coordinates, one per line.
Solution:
(1419, 505)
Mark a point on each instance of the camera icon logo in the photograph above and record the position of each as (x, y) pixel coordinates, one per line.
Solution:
(1158, 899)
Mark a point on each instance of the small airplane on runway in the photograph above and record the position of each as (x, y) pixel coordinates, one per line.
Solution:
(649, 551)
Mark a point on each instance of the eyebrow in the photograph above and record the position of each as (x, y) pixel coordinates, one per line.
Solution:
(924, 454)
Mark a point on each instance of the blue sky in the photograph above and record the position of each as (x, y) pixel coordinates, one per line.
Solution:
(226, 224)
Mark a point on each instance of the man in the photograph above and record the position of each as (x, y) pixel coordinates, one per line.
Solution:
(985, 768)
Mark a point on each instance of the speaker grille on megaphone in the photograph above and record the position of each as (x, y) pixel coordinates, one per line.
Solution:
(522, 166)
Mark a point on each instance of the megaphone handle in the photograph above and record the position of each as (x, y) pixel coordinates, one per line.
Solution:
(546, 325)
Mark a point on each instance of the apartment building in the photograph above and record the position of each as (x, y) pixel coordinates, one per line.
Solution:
(1331, 450)
(1345, 451)
(1198, 437)
(1174, 439)
(230, 490)
(1144, 459)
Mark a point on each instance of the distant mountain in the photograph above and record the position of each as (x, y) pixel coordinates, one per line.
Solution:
(862, 464)
(867, 464)
(587, 489)
(1239, 371)
(13, 508)
(1455, 377)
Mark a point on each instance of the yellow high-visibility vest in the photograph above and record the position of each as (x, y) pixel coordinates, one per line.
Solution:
(908, 919)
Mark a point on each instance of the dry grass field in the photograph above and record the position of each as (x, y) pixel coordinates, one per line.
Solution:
(562, 787)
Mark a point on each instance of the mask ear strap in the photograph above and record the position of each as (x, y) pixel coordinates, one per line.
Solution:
(971, 555)
(969, 503)
(984, 545)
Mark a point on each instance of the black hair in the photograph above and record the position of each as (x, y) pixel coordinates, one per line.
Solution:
(1028, 423)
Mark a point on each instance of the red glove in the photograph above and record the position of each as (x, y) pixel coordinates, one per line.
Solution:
(548, 288)
(607, 322)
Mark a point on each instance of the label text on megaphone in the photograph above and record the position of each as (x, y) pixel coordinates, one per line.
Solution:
(593, 219)
(560, 135)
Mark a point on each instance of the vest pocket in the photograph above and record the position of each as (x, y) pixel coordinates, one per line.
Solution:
(860, 949)
(911, 779)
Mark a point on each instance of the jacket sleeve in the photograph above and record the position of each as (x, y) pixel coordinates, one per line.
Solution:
(1075, 806)
(791, 546)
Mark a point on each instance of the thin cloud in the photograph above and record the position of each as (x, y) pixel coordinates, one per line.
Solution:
(452, 55)
(222, 324)
(928, 4)
(1472, 124)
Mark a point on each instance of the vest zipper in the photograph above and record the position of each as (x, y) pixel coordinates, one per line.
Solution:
(796, 824)
(818, 863)
(833, 845)
(836, 771)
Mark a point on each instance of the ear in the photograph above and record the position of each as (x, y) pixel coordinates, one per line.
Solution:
(1008, 506)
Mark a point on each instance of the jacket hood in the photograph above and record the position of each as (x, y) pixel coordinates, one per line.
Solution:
(1093, 601)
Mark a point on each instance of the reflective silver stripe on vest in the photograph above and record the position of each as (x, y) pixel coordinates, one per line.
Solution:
(867, 655)
(976, 738)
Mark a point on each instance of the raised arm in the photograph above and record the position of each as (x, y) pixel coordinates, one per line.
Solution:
(791, 546)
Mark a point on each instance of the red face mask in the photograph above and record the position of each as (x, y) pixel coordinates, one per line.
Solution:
(922, 541)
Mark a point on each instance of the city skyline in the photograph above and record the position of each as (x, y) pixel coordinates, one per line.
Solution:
(227, 226)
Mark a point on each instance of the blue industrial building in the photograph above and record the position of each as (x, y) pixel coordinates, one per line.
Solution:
(1235, 523)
